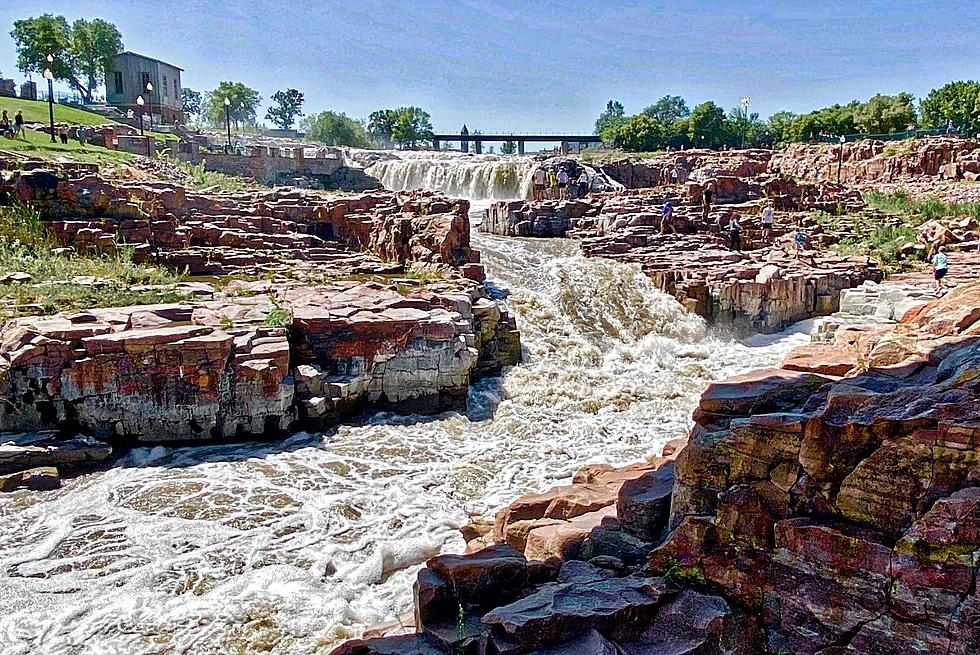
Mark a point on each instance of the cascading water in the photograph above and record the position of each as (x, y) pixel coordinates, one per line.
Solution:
(291, 547)
(478, 177)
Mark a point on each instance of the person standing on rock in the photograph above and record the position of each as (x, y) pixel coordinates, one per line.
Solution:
(583, 184)
(538, 179)
(562, 184)
(767, 222)
(706, 197)
(735, 233)
(667, 219)
(552, 184)
(940, 266)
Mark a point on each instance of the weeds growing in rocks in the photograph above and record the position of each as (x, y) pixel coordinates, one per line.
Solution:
(199, 178)
(919, 211)
(39, 277)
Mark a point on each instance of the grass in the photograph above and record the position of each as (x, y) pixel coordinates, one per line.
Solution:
(36, 111)
(199, 178)
(27, 246)
(38, 144)
(900, 203)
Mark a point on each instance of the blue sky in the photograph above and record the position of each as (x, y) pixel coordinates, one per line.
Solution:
(544, 66)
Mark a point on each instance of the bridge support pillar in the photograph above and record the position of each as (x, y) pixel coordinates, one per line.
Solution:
(435, 144)
(564, 147)
(520, 147)
(478, 147)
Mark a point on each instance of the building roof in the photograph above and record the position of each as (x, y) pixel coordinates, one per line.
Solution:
(159, 61)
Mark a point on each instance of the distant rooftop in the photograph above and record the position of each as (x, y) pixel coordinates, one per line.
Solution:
(159, 61)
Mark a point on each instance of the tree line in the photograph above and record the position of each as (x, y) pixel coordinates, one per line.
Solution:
(81, 51)
(671, 123)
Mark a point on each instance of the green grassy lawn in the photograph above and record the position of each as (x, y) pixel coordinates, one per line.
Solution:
(38, 144)
(36, 111)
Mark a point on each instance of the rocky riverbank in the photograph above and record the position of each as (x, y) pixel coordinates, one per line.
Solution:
(827, 506)
(286, 333)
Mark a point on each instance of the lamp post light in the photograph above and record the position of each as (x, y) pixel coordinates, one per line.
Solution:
(228, 120)
(49, 76)
(140, 103)
(744, 101)
(840, 157)
(149, 96)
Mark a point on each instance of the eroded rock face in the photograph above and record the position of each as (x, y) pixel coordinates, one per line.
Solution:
(215, 369)
(812, 513)
(846, 516)
(225, 233)
(871, 160)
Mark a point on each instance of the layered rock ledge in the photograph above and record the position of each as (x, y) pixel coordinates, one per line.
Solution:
(830, 505)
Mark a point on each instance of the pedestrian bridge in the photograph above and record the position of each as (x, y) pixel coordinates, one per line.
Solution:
(520, 139)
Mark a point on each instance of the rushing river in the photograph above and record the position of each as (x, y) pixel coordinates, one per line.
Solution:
(290, 547)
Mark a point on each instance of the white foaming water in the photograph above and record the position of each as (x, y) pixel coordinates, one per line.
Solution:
(291, 547)
(479, 177)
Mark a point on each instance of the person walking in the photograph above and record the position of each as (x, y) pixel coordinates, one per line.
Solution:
(667, 219)
(583, 184)
(735, 233)
(767, 222)
(538, 179)
(19, 125)
(706, 197)
(562, 184)
(940, 266)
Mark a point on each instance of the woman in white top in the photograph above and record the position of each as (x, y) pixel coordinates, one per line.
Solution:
(767, 222)
(583, 184)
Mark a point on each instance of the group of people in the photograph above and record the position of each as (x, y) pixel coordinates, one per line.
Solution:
(12, 129)
(558, 184)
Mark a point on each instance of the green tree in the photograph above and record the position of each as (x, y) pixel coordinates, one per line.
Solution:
(335, 129)
(668, 109)
(243, 103)
(289, 105)
(707, 126)
(609, 121)
(508, 148)
(778, 126)
(381, 125)
(883, 114)
(411, 126)
(81, 51)
(959, 101)
(641, 133)
(190, 101)
(744, 129)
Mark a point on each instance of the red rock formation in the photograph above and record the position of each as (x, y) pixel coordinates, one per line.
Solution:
(810, 514)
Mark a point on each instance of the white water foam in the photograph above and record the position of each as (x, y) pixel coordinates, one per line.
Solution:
(478, 177)
(291, 547)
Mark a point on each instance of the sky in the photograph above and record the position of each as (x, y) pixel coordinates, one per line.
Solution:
(543, 67)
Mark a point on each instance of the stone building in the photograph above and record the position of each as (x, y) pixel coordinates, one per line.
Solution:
(126, 78)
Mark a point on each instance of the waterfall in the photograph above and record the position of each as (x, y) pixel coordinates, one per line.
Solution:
(477, 177)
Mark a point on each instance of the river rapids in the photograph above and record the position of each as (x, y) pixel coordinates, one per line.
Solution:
(294, 546)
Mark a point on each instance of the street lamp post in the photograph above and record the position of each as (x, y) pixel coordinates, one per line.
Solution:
(140, 103)
(49, 76)
(228, 120)
(840, 157)
(149, 96)
(744, 101)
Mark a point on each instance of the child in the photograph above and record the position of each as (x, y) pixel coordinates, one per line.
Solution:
(940, 266)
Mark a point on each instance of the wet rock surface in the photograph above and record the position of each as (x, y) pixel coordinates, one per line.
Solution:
(817, 508)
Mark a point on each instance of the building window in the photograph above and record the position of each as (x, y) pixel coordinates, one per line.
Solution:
(164, 85)
(118, 82)
(144, 79)
(176, 89)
